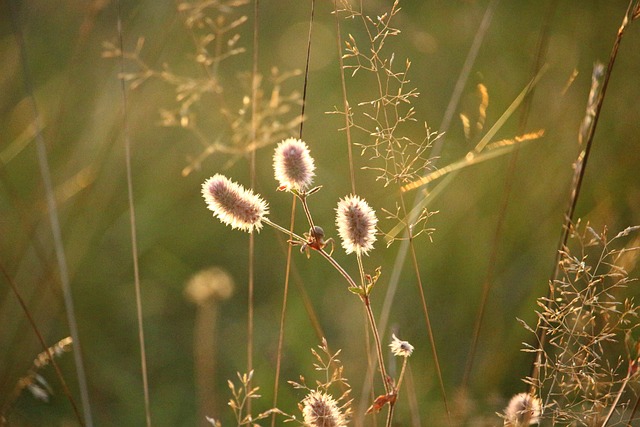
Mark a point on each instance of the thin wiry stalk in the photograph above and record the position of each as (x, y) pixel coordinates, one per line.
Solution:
(345, 101)
(617, 399)
(283, 313)
(292, 224)
(306, 67)
(427, 319)
(633, 412)
(374, 329)
(306, 300)
(388, 125)
(132, 223)
(252, 173)
(632, 13)
(451, 108)
(347, 118)
(506, 196)
(54, 221)
(390, 118)
(47, 349)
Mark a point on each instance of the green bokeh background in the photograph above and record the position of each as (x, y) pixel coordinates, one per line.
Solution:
(79, 98)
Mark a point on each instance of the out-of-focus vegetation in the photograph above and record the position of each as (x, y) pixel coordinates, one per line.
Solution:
(77, 91)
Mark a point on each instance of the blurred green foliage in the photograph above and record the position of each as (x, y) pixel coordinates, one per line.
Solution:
(79, 97)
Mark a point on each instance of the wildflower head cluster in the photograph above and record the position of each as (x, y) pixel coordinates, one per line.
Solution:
(523, 410)
(320, 409)
(356, 223)
(234, 205)
(293, 166)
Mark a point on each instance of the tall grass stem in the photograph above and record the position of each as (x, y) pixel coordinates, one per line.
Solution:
(506, 195)
(252, 173)
(54, 221)
(132, 224)
(292, 225)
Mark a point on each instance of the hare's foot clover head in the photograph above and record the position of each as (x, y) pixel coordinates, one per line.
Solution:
(356, 223)
(523, 410)
(321, 410)
(293, 166)
(234, 205)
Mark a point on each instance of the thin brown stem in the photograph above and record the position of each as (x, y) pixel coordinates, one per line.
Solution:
(44, 345)
(381, 74)
(345, 101)
(427, 319)
(378, 345)
(307, 212)
(306, 67)
(252, 172)
(132, 226)
(283, 313)
(617, 399)
(292, 224)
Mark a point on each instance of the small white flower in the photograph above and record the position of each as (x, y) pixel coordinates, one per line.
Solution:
(356, 223)
(292, 164)
(234, 205)
(400, 348)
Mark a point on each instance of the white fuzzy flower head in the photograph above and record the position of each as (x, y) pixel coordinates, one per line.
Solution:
(234, 205)
(400, 348)
(356, 223)
(523, 410)
(292, 164)
(321, 410)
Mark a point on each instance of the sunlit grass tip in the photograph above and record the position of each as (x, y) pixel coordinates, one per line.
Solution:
(321, 410)
(234, 205)
(356, 223)
(293, 165)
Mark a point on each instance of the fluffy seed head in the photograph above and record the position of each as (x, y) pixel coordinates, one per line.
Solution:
(321, 410)
(523, 410)
(399, 347)
(356, 223)
(234, 205)
(293, 165)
